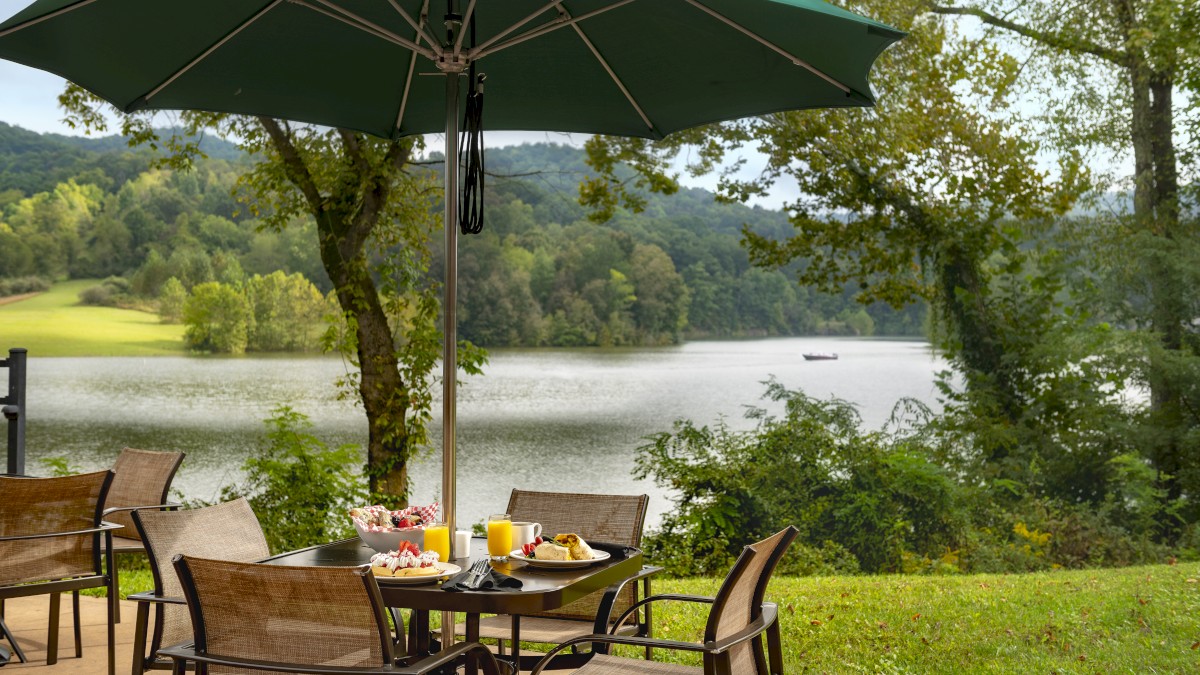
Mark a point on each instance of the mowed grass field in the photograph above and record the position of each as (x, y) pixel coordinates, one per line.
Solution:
(1142, 620)
(55, 324)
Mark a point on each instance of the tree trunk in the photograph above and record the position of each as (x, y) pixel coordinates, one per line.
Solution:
(380, 385)
(1156, 210)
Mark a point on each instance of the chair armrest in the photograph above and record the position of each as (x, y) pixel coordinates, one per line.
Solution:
(605, 638)
(91, 530)
(153, 598)
(449, 655)
(769, 613)
(645, 601)
(118, 509)
(187, 652)
(646, 571)
(756, 628)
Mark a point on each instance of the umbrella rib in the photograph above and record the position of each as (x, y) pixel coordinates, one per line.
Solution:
(36, 20)
(417, 25)
(462, 32)
(412, 66)
(770, 45)
(482, 50)
(604, 62)
(499, 36)
(355, 21)
(179, 73)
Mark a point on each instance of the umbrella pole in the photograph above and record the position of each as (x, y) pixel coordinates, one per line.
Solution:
(450, 333)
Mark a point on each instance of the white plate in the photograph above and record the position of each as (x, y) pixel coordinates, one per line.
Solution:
(447, 569)
(601, 556)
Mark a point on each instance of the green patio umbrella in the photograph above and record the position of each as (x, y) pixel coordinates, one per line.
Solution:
(394, 67)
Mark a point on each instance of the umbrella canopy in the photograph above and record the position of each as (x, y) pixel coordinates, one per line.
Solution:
(622, 67)
(640, 68)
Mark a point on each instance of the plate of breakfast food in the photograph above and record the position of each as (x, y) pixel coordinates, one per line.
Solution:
(408, 565)
(561, 551)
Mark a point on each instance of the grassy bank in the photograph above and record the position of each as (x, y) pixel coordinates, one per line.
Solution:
(55, 324)
(1133, 620)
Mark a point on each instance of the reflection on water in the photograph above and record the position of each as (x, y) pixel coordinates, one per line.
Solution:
(537, 419)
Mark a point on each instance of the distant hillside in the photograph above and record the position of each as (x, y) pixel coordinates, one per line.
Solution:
(542, 272)
(31, 162)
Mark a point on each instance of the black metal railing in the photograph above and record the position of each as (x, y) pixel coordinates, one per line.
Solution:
(14, 409)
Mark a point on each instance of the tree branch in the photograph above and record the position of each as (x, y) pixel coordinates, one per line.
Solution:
(1114, 56)
(293, 163)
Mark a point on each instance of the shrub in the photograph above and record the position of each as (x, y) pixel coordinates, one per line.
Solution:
(300, 488)
(22, 285)
(868, 501)
(112, 292)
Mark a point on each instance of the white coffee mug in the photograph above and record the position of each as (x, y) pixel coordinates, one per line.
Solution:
(525, 533)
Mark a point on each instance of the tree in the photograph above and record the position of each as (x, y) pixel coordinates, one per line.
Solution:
(373, 217)
(930, 195)
(171, 301)
(217, 319)
(1108, 76)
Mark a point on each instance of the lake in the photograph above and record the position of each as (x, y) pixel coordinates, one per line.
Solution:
(536, 419)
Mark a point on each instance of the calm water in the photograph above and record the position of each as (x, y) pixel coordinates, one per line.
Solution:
(573, 416)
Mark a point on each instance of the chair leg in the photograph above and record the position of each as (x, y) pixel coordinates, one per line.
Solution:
(116, 585)
(774, 649)
(140, 626)
(649, 625)
(52, 639)
(78, 629)
(12, 641)
(113, 605)
(400, 642)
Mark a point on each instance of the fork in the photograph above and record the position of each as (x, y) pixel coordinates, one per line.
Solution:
(478, 569)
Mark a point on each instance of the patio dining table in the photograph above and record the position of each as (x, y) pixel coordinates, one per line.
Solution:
(541, 589)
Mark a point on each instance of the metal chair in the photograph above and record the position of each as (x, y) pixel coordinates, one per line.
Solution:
(733, 637)
(52, 539)
(142, 481)
(616, 519)
(229, 531)
(320, 620)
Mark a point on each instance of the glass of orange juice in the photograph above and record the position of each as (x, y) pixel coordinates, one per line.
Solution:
(499, 536)
(437, 538)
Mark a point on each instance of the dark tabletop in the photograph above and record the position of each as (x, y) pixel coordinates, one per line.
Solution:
(541, 589)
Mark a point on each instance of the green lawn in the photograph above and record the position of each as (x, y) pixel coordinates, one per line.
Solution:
(54, 324)
(1133, 620)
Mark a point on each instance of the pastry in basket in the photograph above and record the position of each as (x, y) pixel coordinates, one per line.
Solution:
(575, 544)
(407, 561)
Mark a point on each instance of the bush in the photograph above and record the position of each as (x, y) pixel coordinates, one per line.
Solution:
(22, 285)
(300, 489)
(112, 292)
(868, 501)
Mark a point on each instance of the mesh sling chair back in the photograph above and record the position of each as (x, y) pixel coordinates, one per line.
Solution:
(249, 617)
(52, 540)
(616, 519)
(229, 531)
(142, 480)
(733, 635)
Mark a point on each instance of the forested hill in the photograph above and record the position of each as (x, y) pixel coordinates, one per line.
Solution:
(540, 274)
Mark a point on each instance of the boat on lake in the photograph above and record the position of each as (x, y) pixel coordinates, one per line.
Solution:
(820, 356)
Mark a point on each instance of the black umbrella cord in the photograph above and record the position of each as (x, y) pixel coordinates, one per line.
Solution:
(470, 158)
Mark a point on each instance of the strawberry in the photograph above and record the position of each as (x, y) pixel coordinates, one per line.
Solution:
(537, 540)
(527, 549)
